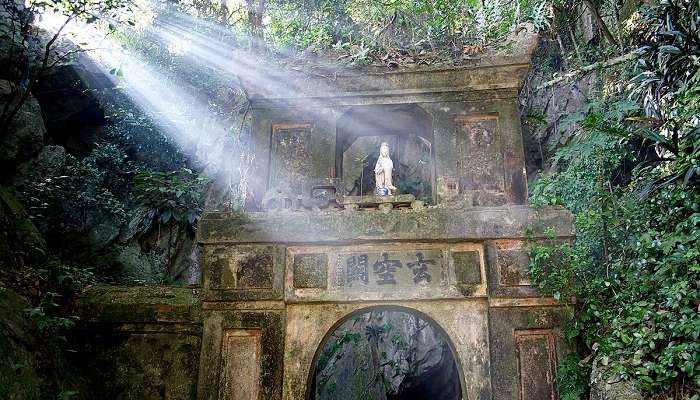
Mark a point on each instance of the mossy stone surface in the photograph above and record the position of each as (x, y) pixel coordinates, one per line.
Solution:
(132, 304)
(20, 378)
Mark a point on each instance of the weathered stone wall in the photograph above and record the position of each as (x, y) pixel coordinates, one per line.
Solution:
(465, 324)
(139, 342)
(257, 325)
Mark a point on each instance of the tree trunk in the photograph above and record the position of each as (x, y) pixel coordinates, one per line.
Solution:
(599, 21)
(170, 257)
(256, 9)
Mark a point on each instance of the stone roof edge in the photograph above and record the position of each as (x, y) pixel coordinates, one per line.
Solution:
(481, 78)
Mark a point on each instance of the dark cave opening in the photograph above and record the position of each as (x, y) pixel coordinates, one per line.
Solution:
(386, 354)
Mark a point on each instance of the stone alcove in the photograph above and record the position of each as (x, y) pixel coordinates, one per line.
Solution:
(407, 128)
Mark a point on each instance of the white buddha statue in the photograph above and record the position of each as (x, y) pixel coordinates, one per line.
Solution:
(383, 170)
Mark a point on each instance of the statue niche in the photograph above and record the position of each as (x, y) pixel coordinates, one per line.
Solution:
(404, 134)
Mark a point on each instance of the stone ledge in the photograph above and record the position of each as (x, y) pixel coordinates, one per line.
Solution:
(431, 224)
(139, 304)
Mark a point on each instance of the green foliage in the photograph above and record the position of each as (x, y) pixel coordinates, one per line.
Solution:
(167, 196)
(67, 394)
(572, 378)
(67, 277)
(86, 206)
(669, 83)
(638, 303)
(368, 29)
(534, 118)
(635, 264)
(335, 346)
(83, 193)
(44, 315)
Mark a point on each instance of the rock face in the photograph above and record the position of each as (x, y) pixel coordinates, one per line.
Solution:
(604, 387)
(386, 355)
(25, 136)
(48, 163)
(20, 241)
(545, 109)
(12, 14)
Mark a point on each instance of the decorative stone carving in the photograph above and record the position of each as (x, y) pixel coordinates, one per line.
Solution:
(467, 267)
(447, 188)
(291, 156)
(248, 271)
(480, 152)
(279, 198)
(310, 270)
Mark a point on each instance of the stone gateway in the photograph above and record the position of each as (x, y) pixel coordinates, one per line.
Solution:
(449, 246)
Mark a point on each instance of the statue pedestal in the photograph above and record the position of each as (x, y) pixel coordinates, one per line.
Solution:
(383, 203)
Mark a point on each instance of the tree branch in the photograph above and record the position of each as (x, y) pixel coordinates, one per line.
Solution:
(6, 119)
(599, 21)
(589, 68)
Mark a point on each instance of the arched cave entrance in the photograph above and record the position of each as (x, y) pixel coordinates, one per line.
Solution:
(385, 353)
(408, 131)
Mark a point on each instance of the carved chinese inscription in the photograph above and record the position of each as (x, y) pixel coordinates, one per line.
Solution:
(385, 269)
(388, 269)
(420, 268)
(356, 270)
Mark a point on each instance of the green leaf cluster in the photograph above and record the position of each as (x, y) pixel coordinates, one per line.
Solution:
(363, 27)
(171, 196)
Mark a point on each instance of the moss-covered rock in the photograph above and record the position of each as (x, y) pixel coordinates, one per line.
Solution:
(137, 365)
(134, 266)
(25, 136)
(20, 240)
(607, 387)
(19, 362)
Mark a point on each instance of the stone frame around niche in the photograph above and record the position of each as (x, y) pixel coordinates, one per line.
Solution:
(275, 175)
(266, 326)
